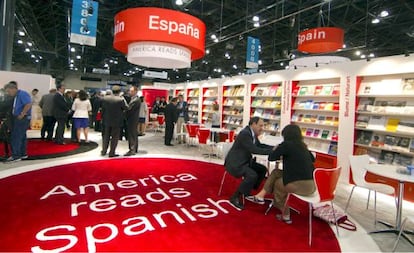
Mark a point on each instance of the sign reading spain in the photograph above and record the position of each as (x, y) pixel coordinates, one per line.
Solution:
(321, 40)
(160, 38)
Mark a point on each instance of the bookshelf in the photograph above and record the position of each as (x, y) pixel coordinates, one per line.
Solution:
(384, 126)
(179, 91)
(315, 109)
(210, 97)
(265, 101)
(193, 103)
(233, 103)
(384, 123)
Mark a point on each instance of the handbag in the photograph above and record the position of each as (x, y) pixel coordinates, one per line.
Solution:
(326, 213)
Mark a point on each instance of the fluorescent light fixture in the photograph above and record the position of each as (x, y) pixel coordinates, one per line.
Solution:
(21, 33)
(78, 57)
(255, 18)
(256, 24)
(27, 50)
(29, 44)
(19, 41)
(72, 49)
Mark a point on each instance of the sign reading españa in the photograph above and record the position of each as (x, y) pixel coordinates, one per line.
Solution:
(321, 40)
(159, 38)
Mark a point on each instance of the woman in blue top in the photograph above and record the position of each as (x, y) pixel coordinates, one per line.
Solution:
(297, 174)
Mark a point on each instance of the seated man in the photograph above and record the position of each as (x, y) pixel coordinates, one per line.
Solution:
(239, 162)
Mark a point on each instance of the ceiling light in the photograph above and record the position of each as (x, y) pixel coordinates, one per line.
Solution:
(179, 2)
(255, 18)
(234, 66)
(207, 51)
(384, 14)
(36, 60)
(281, 64)
(33, 56)
(40, 57)
(27, 50)
(260, 62)
(20, 42)
(256, 24)
(29, 44)
(78, 57)
(287, 67)
(115, 62)
(21, 33)
(106, 65)
(71, 65)
(72, 61)
(216, 40)
(213, 37)
(227, 54)
(111, 61)
(363, 56)
(358, 53)
(371, 55)
(72, 49)
(375, 21)
(344, 46)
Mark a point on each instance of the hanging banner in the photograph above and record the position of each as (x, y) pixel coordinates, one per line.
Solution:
(84, 22)
(321, 40)
(252, 54)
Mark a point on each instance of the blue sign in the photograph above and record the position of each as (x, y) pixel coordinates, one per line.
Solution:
(252, 55)
(84, 22)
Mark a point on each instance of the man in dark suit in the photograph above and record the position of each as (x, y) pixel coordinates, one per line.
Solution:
(240, 163)
(113, 107)
(182, 111)
(60, 112)
(170, 120)
(132, 117)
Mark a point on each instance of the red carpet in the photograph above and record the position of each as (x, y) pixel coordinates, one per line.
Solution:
(41, 149)
(142, 204)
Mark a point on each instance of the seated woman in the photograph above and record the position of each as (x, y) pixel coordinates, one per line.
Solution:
(297, 174)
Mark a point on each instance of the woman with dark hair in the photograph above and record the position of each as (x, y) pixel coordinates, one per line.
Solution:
(81, 108)
(297, 174)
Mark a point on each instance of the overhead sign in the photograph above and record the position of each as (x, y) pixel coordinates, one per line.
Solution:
(252, 54)
(84, 22)
(100, 71)
(321, 40)
(159, 38)
(155, 74)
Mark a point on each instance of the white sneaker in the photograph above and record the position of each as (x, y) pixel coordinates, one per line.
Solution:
(11, 159)
(255, 199)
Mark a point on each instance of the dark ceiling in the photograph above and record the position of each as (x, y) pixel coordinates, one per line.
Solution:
(46, 25)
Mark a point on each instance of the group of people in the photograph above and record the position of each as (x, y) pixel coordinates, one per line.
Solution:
(296, 176)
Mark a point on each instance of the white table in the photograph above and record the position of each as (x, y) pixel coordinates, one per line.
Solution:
(390, 171)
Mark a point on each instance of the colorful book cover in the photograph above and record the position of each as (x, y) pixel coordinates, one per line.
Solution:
(336, 106)
(377, 122)
(314, 118)
(303, 90)
(327, 90)
(318, 90)
(404, 142)
(309, 132)
(333, 148)
(295, 90)
(334, 136)
(329, 120)
(365, 105)
(335, 90)
(317, 133)
(322, 105)
(315, 106)
(412, 145)
(321, 119)
(402, 160)
(329, 106)
(307, 118)
(308, 104)
(392, 124)
(325, 134)
(362, 121)
(390, 140)
(377, 140)
(386, 157)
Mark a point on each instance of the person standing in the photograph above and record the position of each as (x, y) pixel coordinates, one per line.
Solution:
(113, 107)
(170, 120)
(182, 110)
(132, 118)
(240, 163)
(162, 106)
(60, 112)
(143, 114)
(156, 105)
(21, 114)
(36, 110)
(81, 108)
(46, 103)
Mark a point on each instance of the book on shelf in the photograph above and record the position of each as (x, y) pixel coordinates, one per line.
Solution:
(309, 132)
(405, 126)
(307, 118)
(392, 124)
(408, 86)
(336, 121)
(402, 160)
(365, 88)
(327, 90)
(329, 106)
(335, 90)
(258, 112)
(391, 141)
(308, 104)
(295, 90)
(336, 106)
(303, 131)
(321, 119)
(386, 157)
(377, 122)
(273, 90)
(333, 148)
(377, 140)
(315, 106)
(275, 103)
(322, 105)
(333, 136)
(365, 104)
(362, 121)
(360, 150)
(295, 117)
(325, 134)
(404, 143)
(267, 113)
(267, 102)
(329, 120)
(318, 90)
(303, 91)
(412, 145)
(364, 137)
(300, 117)
(317, 133)
(314, 118)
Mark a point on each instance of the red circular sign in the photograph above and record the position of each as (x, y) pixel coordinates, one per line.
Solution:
(162, 25)
(321, 40)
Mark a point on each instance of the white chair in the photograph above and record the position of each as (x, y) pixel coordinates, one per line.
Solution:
(408, 218)
(226, 146)
(358, 164)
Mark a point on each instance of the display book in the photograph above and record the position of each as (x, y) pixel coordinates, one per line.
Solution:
(193, 100)
(315, 109)
(209, 98)
(385, 121)
(266, 103)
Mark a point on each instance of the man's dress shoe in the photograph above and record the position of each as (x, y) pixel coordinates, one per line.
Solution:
(235, 201)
